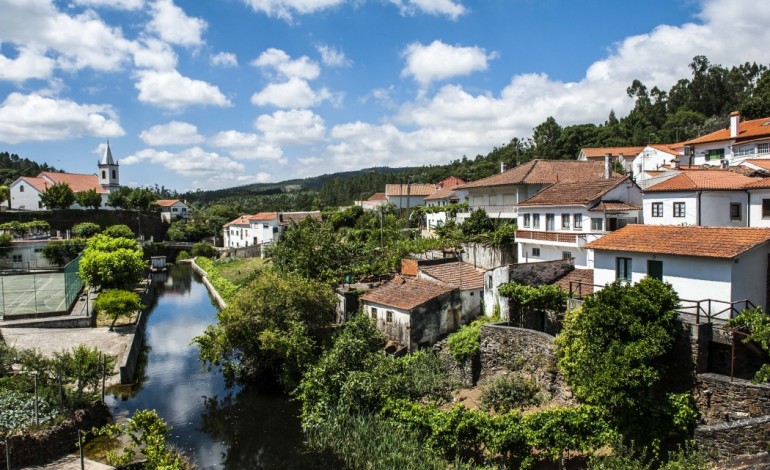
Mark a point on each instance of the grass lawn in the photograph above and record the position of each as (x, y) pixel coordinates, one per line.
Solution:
(238, 271)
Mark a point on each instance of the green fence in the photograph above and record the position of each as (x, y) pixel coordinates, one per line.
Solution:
(72, 282)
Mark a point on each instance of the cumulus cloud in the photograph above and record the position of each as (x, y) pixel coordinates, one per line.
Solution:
(116, 4)
(173, 91)
(25, 118)
(286, 9)
(295, 93)
(246, 146)
(193, 162)
(432, 7)
(154, 54)
(331, 57)
(224, 59)
(28, 64)
(439, 61)
(172, 133)
(173, 25)
(291, 127)
(281, 62)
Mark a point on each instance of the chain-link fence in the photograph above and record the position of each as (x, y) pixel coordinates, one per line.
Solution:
(33, 292)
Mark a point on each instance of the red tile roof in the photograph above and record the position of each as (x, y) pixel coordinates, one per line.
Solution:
(450, 182)
(712, 179)
(708, 242)
(542, 172)
(598, 153)
(406, 294)
(574, 194)
(77, 182)
(672, 149)
(377, 197)
(167, 202)
(442, 193)
(38, 183)
(457, 274)
(414, 189)
(763, 163)
(747, 130)
(261, 216)
(615, 206)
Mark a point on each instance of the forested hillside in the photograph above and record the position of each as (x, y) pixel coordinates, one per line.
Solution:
(12, 166)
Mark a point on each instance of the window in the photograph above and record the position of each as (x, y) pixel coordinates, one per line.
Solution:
(565, 218)
(597, 224)
(535, 251)
(577, 222)
(657, 209)
(765, 208)
(623, 269)
(715, 154)
(535, 220)
(174, 209)
(275, 229)
(489, 282)
(527, 220)
(114, 174)
(374, 313)
(104, 175)
(17, 259)
(389, 316)
(679, 209)
(566, 255)
(550, 221)
(655, 269)
(763, 148)
(735, 211)
(184, 209)
(21, 188)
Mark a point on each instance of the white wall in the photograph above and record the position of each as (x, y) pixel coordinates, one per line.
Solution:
(755, 209)
(550, 253)
(492, 280)
(26, 199)
(749, 277)
(668, 199)
(715, 208)
(401, 201)
(650, 159)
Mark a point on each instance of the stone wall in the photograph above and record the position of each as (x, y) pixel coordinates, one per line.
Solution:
(130, 361)
(204, 275)
(726, 441)
(487, 257)
(54, 442)
(466, 374)
(536, 274)
(504, 348)
(720, 400)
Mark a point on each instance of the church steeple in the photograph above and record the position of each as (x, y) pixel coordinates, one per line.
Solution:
(109, 172)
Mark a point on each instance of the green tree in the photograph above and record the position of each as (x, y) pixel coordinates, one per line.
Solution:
(119, 231)
(111, 262)
(141, 199)
(205, 249)
(268, 329)
(6, 241)
(89, 198)
(478, 223)
(85, 230)
(57, 196)
(119, 199)
(546, 136)
(61, 252)
(117, 303)
(5, 193)
(754, 325)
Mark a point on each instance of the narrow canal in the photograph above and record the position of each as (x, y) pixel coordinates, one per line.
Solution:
(218, 428)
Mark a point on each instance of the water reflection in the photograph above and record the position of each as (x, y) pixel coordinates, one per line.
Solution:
(218, 428)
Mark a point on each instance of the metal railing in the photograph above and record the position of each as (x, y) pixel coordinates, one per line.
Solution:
(546, 236)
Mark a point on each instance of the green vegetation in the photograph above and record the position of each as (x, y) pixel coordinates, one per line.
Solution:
(111, 262)
(465, 342)
(183, 255)
(117, 303)
(12, 166)
(57, 196)
(239, 271)
(20, 229)
(754, 325)
(119, 231)
(205, 250)
(89, 198)
(61, 252)
(85, 230)
(509, 392)
(132, 198)
(544, 298)
(224, 286)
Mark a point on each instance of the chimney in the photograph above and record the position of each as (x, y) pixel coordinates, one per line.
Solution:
(503, 167)
(675, 164)
(607, 166)
(735, 119)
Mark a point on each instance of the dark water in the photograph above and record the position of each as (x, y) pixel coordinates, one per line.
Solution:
(216, 427)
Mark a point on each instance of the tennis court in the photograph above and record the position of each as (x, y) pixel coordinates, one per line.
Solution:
(32, 293)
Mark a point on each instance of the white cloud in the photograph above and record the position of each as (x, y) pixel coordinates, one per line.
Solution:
(206, 167)
(439, 61)
(382, 96)
(154, 54)
(246, 146)
(285, 9)
(173, 25)
(432, 7)
(117, 4)
(276, 59)
(173, 91)
(26, 118)
(28, 64)
(291, 127)
(295, 93)
(331, 57)
(224, 59)
(172, 133)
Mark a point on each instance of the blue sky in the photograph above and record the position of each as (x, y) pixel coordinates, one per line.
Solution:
(217, 93)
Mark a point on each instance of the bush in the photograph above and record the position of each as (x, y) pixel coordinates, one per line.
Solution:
(62, 252)
(464, 343)
(119, 231)
(206, 250)
(510, 392)
(183, 255)
(116, 303)
(85, 230)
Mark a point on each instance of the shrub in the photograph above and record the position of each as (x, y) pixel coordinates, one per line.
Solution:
(85, 230)
(206, 250)
(119, 231)
(183, 255)
(116, 303)
(510, 392)
(464, 343)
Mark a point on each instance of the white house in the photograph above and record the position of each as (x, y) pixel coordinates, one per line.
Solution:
(172, 209)
(559, 221)
(404, 196)
(708, 197)
(654, 158)
(374, 202)
(724, 264)
(731, 146)
(445, 195)
(261, 228)
(25, 191)
(463, 276)
(622, 156)
(499, 194)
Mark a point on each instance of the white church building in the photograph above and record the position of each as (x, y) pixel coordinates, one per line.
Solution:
(25, 191)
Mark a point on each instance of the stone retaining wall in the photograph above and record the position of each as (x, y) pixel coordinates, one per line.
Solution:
(203, 274)
(505, 348)
(720, 400)
(131, 358)
(726, 441)
(54, 442)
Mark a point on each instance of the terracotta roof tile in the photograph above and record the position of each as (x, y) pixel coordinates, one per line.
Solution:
(406, 294)
(415, 189)
(763, 163)
(542, 172)
(77, 182)
(263, 216)
(709, 242)
(377, 197)
(598, 153)
(747, 130)
(614, 206)
(689, 180)
(442, 193)
(672, 149)
(457, 274)
(38, 183)
(572, 194)
(167, 202)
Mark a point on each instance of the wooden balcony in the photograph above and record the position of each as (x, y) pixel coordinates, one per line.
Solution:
(546, 236)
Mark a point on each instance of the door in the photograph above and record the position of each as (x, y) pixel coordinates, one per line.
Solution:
(655, 269)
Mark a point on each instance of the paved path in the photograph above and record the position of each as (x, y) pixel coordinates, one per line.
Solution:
(71, 462)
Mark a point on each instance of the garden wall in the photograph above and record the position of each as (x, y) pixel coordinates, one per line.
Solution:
(719, 400)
